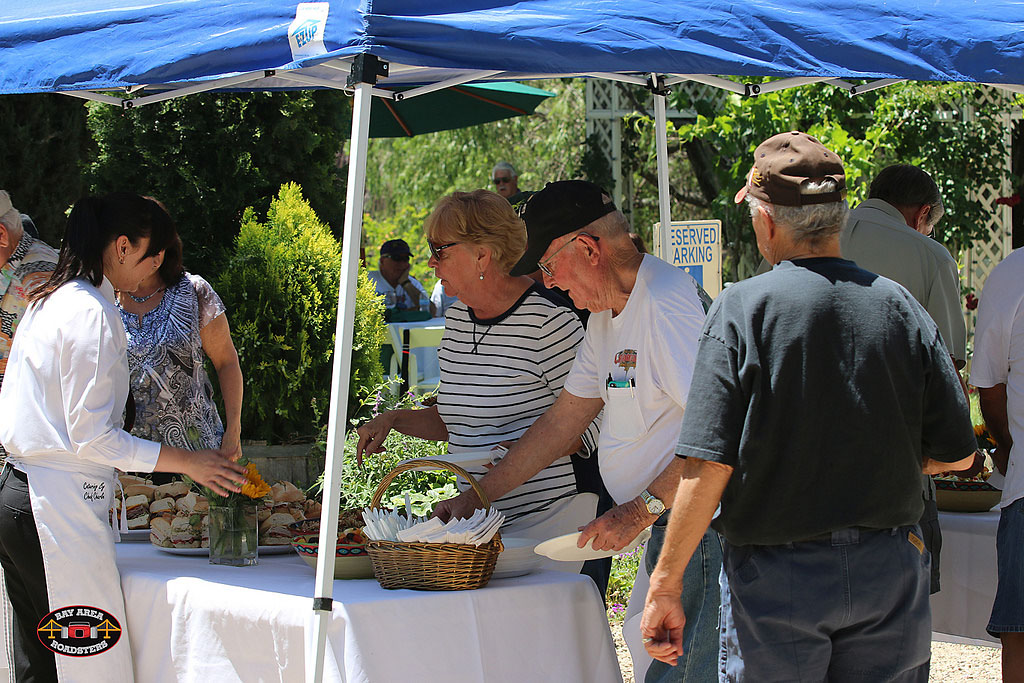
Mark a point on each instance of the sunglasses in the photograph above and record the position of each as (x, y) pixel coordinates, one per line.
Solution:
(435, 250)
(501, 181)
(543, 264)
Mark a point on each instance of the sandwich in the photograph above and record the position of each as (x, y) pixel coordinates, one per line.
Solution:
(164, 505)
(147, 490)
(137, 511)
(286, 492)
(183, 535)
(311, 508)
(175, 489)
(187, 503)
(130, 480)
(160, 533)
(274, 530)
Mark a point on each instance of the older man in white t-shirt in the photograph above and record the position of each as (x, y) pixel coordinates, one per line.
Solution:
(997, 369)
(635, 363)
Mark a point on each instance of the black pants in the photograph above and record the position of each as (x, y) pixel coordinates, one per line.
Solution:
(22, 561)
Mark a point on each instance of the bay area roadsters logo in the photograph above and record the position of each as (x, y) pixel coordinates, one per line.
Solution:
(626, 359)
(79, 631)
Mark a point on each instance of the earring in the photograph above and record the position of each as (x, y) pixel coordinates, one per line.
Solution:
(481, 276)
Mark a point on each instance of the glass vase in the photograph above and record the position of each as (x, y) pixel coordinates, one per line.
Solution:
(234, 534)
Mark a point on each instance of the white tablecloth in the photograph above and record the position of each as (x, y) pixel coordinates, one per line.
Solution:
(968, 576)
(192, 621)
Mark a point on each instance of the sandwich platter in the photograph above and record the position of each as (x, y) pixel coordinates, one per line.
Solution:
(262, 550)
(135, 536)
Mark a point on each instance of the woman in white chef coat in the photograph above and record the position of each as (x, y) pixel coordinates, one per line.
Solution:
(61, 407)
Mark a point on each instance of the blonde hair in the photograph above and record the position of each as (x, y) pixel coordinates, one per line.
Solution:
(480, 217)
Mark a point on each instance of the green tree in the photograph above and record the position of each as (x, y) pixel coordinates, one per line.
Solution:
(281, 290)
(548, 145)
(931, 125)
(208, 156)
(46, 145)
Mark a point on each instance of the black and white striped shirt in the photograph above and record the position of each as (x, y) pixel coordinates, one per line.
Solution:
(499, 375)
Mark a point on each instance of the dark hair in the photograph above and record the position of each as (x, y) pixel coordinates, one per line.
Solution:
(904, 185)
(172, 267)
(94, 223)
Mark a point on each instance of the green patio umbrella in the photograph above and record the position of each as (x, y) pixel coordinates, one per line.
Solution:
(455, 107)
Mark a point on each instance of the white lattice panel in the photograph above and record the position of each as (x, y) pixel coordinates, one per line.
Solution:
(984, 254)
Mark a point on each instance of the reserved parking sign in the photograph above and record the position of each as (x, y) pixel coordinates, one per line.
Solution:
(694, 246)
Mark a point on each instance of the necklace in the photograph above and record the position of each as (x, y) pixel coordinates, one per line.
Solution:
(144, 299)
(476, 342)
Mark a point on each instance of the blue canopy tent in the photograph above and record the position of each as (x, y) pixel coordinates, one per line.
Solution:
(152, 52)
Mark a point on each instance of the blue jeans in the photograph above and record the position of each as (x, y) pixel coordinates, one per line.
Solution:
(851, 606)
(699, 661)
(1008, 608)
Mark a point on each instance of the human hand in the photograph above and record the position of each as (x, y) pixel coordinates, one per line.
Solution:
(231, 444)
(372, 435)
(661, 626)
(215, 470)
(615, 529)
(459, 507)
(403, 273)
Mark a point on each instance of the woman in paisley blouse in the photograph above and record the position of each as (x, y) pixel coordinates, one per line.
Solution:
(173, 321)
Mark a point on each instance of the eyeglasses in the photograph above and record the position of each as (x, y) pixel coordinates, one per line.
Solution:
(435, 251)
(501, 181)
(543, 264)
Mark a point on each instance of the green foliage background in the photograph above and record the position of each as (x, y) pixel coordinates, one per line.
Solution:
(210, 155)
(46, 146)
(280, 287)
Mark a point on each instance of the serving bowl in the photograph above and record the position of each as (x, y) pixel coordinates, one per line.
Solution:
(350, 559)
(956, 495)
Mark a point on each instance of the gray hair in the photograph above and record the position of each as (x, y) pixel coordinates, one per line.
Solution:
(504, 166)
(811, 223)
(11, 218)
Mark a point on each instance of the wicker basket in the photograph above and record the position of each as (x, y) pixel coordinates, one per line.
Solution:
(432, 566)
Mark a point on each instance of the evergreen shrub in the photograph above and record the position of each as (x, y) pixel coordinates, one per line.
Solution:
(280, 287)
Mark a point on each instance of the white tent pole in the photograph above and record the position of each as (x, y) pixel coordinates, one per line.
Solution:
(338, 415)
(661, 131)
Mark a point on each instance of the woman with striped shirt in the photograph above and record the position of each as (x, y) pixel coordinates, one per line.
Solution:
(507, 348)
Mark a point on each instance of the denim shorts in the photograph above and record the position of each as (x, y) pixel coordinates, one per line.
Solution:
(1008, 608)
(852, 606)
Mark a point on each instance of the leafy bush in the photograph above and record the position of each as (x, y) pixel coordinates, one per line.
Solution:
(281, 290)
(620, 583)
(358, 483)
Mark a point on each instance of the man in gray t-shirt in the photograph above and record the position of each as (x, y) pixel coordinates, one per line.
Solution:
(824, 392)
(889, 234)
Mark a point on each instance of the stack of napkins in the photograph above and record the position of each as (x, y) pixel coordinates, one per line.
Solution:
(477, 530)
(384, 525)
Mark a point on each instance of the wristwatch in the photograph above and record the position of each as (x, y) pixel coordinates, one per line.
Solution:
(653, 503)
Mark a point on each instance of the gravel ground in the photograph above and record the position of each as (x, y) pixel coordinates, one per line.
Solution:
(951, 663)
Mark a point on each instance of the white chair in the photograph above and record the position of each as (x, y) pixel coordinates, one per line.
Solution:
(406, 341)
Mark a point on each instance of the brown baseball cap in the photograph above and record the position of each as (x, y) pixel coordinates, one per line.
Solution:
(784, 162)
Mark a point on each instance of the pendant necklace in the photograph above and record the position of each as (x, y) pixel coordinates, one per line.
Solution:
(476, 342)
(144, 299)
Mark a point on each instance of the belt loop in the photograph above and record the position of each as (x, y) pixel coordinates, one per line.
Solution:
(847, 536)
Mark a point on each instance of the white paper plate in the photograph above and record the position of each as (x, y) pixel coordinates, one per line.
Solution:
(263, 550)
(466, 459)
(563, 548)
(135, 535)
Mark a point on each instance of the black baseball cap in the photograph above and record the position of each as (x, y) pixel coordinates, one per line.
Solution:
(559, 209)
(396, 249)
